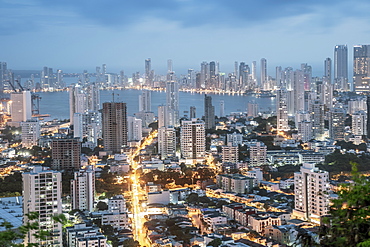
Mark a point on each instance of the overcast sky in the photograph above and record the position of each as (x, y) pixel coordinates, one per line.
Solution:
(81, 34)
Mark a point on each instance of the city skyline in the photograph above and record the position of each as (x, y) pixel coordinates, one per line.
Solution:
(187, 32)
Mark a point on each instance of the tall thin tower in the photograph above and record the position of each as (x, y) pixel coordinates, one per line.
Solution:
(341, 68)
(264, 85)
(209, 112)
(114, 126)
(327, 70)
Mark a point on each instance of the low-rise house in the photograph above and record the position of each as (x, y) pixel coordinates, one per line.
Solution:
(258, 222)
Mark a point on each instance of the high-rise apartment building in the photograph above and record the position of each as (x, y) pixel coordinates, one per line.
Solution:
(134, 129)
(282, 110)
(88, 128)
(77, 101)
(359, 120)
(92, 97)
(317, 119)
(341, 68)
(298, 91)
(148, 73)
(258, 153)
(83, 190)
(172, 102)
(209, 112)
(145, 101)
(65, 154)
(222, 108)
(193, 112)
(3, 77)
(311, 187)
(252, 109)
(166, 142)
(327, 70)
(336, 123)
(193, 140)
(361, 68)
(264, 84)
(30, 133)
(114, 126)
(21, 107)
(304, 130)
(230, 154)
(42, 194)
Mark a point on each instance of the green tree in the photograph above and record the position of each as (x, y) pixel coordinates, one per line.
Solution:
(349, 222)
(130, 243)
(215, 242)
(10, 235)
(101, 206)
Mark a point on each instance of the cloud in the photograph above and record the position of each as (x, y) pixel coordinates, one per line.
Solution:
(190, 13)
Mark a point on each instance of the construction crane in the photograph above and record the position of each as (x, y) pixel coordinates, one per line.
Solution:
(35, 98)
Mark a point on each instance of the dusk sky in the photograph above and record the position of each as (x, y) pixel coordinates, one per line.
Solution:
(73, 35)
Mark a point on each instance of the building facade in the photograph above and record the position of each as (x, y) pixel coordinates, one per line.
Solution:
(42, 194)
(114, 126)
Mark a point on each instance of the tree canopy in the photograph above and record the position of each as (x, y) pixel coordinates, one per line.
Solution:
(349, 222)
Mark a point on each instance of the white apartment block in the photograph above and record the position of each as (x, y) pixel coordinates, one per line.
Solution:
(117, 203)
(82, 235)
(359, 120)
(355, 105)
(30, 133)
(234, 139)
(87, 126)
(305, 130)
(42, 194)
(115, 218)
(166, 142)
(21, 107)
(282, 109)
(134, 129)
(311, 187)
(230, 154)
(83, 190)
(258, 153)
(236, 183)
(193, 140)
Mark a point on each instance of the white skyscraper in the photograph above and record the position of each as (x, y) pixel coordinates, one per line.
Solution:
(77, 101)
(222, 108)
(264, 85)
(42, 194)
(83, 190)
(311, 187)
(21, 108)
(88, 128)
(282, 110)
(172, 102)
(298, 90)
(193, 140)
(30, 133)
(166, 142)
(93, 97)
(145, 101)
(134, 129)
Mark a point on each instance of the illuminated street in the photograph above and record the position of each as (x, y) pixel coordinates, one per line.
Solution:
(138, 214)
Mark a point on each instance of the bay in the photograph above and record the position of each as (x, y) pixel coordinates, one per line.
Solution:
(57, 103)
